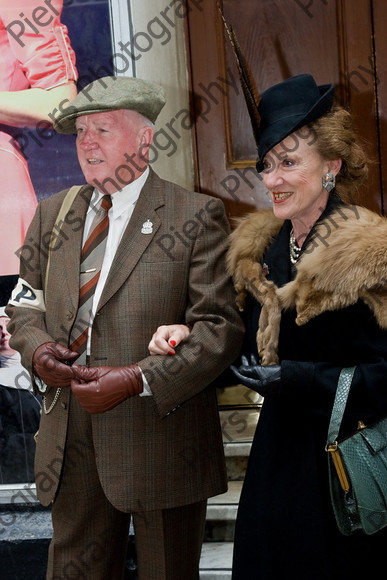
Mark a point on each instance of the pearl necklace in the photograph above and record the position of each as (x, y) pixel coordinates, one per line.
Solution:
(294, 249)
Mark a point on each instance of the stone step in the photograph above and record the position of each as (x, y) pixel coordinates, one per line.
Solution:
(19, 523)
(224, 507)
(216, 561)
(237, 455)
(25, 533)
(238, 423)
(237, 449)
(221, 514)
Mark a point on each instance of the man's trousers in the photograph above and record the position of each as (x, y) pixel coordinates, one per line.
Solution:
(90, 534)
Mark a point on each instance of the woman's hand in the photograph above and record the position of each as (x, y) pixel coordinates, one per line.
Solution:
(167, 338)
(265, 380)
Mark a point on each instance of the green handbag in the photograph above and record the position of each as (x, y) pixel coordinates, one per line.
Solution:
(357, 469)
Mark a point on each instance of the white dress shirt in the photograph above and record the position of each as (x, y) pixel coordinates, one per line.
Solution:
(123, 202)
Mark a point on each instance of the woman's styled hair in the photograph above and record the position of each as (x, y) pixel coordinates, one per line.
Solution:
(336, 138)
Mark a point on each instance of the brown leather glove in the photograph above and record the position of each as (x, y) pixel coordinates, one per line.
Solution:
(99, 389)
(51, 362)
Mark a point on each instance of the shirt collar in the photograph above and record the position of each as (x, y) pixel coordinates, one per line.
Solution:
(123, 199)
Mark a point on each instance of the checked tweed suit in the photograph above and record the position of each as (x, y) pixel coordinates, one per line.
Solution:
(165, 450)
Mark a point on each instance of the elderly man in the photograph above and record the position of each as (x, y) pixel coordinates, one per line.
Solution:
(123, 432)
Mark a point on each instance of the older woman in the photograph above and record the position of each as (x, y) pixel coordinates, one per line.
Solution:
(311, 276)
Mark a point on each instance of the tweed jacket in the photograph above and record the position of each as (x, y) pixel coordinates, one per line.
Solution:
(152, 452)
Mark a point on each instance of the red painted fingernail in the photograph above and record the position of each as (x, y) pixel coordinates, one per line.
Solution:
(172, 342)
(171, 352)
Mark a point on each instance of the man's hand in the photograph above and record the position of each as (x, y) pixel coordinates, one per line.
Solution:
(51, 362)
(99, 389)
(167, 338)
(265, 380)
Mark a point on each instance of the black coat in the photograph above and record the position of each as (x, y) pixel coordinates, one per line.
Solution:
(285, 525)
(19, 421)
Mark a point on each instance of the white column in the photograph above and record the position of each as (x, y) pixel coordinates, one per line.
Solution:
(150, 36)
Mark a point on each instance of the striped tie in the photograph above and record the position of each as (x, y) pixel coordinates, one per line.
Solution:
(91, 262)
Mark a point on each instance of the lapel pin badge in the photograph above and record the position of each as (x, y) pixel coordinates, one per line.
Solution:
(147, 227)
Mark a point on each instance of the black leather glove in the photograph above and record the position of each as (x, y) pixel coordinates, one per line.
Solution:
(99, 389)
(265, 380)
(51, 362)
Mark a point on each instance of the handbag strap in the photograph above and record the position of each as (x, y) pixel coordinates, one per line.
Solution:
(342, 392)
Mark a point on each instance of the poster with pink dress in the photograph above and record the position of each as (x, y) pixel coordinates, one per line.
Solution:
(49, 50)
(36, 57)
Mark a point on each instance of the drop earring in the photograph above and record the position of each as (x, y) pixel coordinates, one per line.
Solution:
(328, 181)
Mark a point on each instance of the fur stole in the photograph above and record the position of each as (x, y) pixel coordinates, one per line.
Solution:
(346, 260)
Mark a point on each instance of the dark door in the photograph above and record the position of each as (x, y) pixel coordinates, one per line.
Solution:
(338, 41)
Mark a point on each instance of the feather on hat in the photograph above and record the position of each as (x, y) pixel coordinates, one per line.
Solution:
(281, 109)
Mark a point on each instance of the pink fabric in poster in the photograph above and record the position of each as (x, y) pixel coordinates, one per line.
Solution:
(35, 52)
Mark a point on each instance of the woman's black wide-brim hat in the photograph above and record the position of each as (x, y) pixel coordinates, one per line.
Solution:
(288, 106)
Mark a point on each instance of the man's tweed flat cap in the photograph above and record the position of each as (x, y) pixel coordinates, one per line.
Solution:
(110, 94)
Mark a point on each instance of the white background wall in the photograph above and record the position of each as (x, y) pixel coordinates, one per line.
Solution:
(151, 35)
